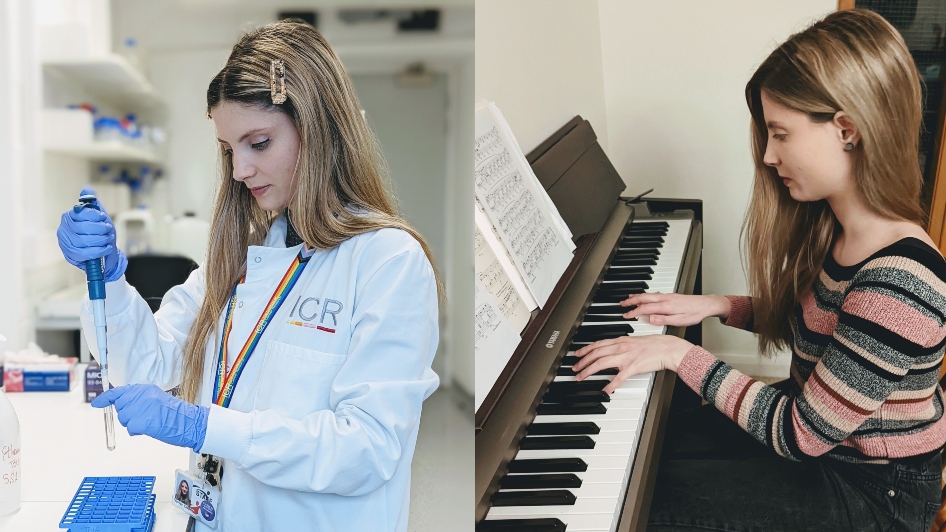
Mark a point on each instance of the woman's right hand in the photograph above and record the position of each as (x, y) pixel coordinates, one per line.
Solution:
(90, 234)
(676, 310)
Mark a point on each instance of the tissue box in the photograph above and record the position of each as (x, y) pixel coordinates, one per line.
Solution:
(93, 381)
(57, 375)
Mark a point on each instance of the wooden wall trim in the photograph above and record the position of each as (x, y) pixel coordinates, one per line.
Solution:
(938, 203)
(844, 5)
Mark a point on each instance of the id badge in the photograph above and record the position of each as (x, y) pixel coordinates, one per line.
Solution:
(196, 497)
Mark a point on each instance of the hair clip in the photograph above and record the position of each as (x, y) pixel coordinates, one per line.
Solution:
(277, 70)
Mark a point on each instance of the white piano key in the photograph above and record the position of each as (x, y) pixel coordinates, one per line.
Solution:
(574, 522)
(593, 490)
(586, 505)
(600, 449)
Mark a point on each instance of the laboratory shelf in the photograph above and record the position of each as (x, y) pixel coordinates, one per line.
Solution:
(110, 75)
(113, 150)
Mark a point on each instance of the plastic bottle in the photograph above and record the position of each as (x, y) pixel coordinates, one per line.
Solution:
(11, 486)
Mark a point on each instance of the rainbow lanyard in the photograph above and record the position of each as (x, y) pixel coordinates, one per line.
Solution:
(225, 381)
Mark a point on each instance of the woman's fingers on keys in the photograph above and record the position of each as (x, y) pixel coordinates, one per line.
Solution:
(618, 380)
(612, 347)
(584, 351)
(604, 361)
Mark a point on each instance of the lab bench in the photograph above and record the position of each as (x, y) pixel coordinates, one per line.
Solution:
(63, 441)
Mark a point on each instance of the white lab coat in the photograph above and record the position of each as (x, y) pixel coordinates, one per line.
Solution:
(322, 425)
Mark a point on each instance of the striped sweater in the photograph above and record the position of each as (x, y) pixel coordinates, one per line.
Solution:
(866, 352)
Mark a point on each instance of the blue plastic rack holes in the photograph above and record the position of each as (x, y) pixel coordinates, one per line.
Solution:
(111, 504)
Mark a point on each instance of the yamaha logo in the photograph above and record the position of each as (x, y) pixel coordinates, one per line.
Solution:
(552, 339)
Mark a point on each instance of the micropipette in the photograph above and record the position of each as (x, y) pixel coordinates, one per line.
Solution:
(95, 275)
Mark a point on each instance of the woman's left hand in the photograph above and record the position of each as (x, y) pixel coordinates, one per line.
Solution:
(631, 356)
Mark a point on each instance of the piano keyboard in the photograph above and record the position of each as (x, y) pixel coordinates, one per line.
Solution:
(573, 465)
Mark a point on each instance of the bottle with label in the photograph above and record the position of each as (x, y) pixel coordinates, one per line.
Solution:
(10, 482)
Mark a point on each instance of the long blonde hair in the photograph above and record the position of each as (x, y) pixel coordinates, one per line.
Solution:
(853, 61)
(340, 168)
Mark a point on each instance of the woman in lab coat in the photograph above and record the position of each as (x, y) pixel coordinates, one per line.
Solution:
(324, 298)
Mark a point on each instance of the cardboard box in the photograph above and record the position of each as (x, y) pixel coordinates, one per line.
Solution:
(57, 374)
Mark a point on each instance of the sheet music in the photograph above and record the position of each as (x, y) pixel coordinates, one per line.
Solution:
(490, 271)
(503, 126)
(512, 198)
(494, 341)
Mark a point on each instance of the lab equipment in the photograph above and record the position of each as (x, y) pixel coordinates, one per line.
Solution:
(10, 483)
(134, 228)
(94, 272)
(111, 504)
(147, 409)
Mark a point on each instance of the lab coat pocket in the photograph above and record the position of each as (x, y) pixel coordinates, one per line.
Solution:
(296, 381)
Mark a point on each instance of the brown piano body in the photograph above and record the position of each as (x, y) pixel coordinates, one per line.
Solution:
(585, 188)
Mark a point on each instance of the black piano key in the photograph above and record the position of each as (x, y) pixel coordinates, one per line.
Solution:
(646, 261)
(582, 396)
(634, 240)
(568, 427)
(575, 346)
(640, 244)
(541, 524)
(610, 309)
(539, 482)
(605, 328)
(646, 232)
(626, 262)
(534, 498)
(648, 271)
(565, 387)
(595, 335)
(533, 443)
(621, 286)
(619, 275)
(567, 372)
(615, 297)
(570, 360)
(547, 465)
(635, 253)
(570, 409)
(607, 317)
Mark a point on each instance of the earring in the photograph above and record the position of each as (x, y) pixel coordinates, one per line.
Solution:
(849, 146)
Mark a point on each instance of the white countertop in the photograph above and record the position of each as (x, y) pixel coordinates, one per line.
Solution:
(63, 441)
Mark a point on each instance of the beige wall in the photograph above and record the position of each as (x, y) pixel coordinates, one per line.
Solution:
(662, 83)
(540, 61)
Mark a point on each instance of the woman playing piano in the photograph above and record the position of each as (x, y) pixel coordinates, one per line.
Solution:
(842, 272)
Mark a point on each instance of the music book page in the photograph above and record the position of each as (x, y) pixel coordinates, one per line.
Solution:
(491, 272)
(518, 206)
(517, 154)
(494, 341)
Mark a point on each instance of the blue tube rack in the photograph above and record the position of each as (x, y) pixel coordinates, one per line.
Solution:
(111, 504)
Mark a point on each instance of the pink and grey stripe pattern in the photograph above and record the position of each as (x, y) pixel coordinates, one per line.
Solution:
(867, 348)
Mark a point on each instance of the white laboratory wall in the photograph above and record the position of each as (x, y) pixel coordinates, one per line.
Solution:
(460, 229)
(540, 62)
(674, 77)
(12, 46)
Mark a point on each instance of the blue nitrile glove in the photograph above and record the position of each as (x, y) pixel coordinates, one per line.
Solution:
(90, 234)
(147, 409)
